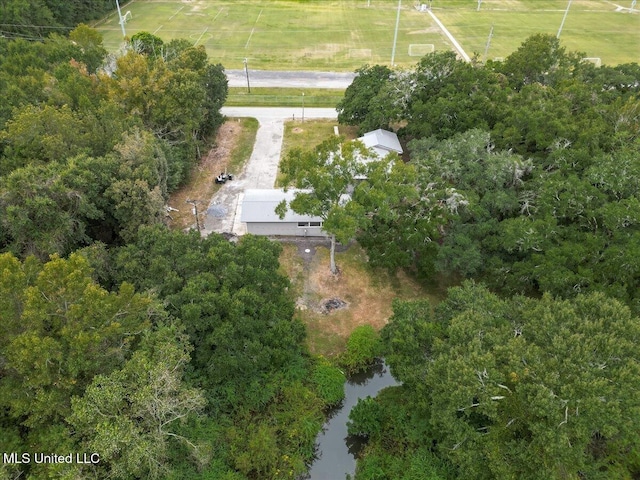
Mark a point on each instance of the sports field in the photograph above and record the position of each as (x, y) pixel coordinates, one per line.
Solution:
(342, 35)
(603, 29)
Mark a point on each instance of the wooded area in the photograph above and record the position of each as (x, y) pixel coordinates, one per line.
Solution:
(523, 175)
(166, 354)
(176, 356)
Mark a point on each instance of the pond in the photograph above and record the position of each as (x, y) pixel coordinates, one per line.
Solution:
(336, 450)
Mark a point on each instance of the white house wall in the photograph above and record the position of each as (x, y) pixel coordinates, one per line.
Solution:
(283, 229)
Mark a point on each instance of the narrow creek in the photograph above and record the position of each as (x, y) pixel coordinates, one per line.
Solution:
(336, 450)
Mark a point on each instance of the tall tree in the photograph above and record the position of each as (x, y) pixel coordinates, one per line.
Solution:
(328, 174)
(233, 303)
(366, 100)
(59, 330)
(130, 416)
(526, 388)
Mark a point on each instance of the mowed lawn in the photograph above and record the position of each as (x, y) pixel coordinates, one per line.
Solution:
(342, 35)
(279, 34)
(599, 28)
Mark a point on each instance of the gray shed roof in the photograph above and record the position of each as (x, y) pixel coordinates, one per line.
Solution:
(382, 142)
(259, 205)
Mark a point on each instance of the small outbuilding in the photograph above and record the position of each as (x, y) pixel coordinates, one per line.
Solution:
(258, 213)
(382, 142)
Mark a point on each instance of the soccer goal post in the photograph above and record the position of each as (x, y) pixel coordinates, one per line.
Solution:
(597, 61)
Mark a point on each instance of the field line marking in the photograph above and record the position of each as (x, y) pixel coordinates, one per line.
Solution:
(217, 14)
(455, 43)
(156, 30)
(177, 11)
(205, 31)
(246, 45)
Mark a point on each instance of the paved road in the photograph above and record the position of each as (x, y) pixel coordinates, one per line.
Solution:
(223, 212)
(302, 79)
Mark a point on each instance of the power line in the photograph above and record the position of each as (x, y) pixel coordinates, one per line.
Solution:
(19, 36)
(34, 26)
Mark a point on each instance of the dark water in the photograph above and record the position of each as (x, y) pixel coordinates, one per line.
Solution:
(337, 451)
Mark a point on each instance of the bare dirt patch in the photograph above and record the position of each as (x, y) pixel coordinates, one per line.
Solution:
(201, 184)
(367, 294)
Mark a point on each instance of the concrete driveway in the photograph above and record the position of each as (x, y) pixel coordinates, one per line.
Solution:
(223, 212)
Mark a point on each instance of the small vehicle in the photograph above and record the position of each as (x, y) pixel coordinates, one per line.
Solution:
(223, 177)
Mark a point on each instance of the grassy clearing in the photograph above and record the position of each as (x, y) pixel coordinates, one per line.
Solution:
(306, 135)
(342, 35)
(369, 294)
(231, 150)
(598, 28)
(283, 97)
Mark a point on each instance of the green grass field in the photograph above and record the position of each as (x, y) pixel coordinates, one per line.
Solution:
(342, 35)
(283, 97)
(598, 28)
(279, 34)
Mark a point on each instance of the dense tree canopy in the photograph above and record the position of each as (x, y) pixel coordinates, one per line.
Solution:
(521, 174)
(231, 300)
(59, 330)
(38, 18)
(185, 361)
(515, 388)
(513, 166)
(204, 372)
(94, 150)
(176, 356)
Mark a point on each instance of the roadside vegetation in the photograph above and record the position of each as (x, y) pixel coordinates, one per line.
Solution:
(284, 97)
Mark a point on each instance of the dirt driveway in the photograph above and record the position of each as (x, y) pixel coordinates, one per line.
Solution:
(224, 209)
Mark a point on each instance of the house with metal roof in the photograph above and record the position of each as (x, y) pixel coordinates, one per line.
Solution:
(382, 142)
(258, 213)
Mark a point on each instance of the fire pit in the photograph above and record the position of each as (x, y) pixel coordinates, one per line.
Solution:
(332, 304)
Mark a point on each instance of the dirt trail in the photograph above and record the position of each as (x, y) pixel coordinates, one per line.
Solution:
(201, 186)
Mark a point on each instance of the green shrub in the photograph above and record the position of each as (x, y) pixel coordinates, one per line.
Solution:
(364, 418)
(363, 347)
(329, 382)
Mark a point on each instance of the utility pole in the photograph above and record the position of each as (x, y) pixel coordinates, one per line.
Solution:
(195, 212)
(566, 12)
(303, 107)
(124, 34)
(395, 35)
(246, 72)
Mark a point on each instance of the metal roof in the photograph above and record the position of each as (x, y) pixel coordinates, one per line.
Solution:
(259, 205)
(382, 142)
